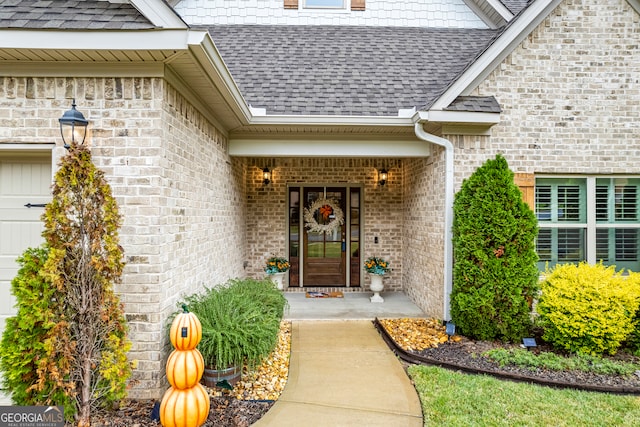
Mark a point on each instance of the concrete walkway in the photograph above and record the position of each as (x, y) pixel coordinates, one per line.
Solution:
(341, 373)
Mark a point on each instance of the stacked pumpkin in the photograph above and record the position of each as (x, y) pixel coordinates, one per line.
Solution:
(186, 402)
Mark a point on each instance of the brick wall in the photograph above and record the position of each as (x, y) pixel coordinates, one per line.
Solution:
(182, 198)
(570, 95)
(405, 13)
(382, 207)
(423, 234)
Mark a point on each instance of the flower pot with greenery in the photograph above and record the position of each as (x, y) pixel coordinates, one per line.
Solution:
(376, 267)
(240, 325)
(277, 269)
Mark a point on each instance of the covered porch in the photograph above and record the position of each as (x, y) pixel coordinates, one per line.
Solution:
(352, 306)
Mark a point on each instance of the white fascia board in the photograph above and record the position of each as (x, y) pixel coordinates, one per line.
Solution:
(209, 59)
(499, 49)
(159, 13)
(319, 120)
(463, 117)
(500, 9)
(95, 40)
(635, 4)
(249, 147)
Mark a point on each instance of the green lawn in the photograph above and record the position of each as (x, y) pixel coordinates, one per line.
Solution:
(454, 399)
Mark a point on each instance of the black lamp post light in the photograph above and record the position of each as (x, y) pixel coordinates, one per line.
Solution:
(73, 126)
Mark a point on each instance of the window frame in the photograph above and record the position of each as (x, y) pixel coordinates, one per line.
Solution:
(591, 224)
(346, 5)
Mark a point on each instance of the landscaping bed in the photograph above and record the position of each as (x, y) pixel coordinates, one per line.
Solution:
(250, 399)
(411, 339)
(424, 341)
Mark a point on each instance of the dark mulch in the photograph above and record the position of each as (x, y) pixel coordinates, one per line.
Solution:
(225, 411)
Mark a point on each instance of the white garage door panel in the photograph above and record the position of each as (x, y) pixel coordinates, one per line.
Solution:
(23, 179)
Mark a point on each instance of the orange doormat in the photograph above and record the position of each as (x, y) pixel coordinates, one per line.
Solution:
(337, 294)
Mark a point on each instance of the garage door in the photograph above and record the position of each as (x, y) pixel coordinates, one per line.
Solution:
(24, 179)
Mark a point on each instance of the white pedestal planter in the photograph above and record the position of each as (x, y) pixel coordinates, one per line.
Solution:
(376, 287)
(279, 280)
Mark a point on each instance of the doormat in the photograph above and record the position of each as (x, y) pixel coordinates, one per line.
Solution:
(336, 294)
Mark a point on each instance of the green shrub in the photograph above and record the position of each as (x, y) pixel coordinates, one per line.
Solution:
(551, 361)
(588, 308)
(495, 273)
(633, 340)
(27, 356)
(240, 321)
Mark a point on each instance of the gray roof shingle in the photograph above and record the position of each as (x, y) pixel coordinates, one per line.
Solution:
(515, 6)
(70, 14)
(370, 71)
(485, 104)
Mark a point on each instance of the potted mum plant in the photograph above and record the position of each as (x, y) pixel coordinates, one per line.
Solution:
(376, 267)
(276, 268)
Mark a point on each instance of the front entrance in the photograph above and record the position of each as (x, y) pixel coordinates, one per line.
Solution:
(324, 236)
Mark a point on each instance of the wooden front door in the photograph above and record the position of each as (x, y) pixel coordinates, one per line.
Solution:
(325, 252)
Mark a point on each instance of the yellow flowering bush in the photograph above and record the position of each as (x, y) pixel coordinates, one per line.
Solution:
(588, 308)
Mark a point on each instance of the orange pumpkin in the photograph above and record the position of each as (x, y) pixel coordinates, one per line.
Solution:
(185, 368)
(184, 408)
(186, 331)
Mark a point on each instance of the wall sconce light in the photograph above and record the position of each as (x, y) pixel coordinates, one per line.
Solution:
(383, 175)
(266, 176)
(73, 126)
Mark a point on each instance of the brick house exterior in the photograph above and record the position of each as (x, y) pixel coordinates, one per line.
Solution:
(183, 128)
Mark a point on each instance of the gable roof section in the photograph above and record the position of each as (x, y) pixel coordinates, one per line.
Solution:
(515, 6)
(345, 71)
(71, 14)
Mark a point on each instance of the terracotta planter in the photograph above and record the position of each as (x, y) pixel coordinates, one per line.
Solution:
(213, 376)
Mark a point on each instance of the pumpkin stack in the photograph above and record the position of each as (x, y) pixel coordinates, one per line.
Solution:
(186, 402)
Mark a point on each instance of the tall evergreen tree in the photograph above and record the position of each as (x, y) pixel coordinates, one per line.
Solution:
(85, 260)
(495, 276)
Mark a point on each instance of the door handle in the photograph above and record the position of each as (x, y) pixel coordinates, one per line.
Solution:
(35, 205)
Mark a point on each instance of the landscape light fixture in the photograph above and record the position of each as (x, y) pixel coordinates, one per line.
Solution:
(73, 126)
(266, 176)
(383, 176)
(529, 343)
(450, 329)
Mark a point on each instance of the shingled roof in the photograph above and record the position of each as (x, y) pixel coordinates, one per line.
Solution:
(70, 15)
(369, 71)
(515, 6)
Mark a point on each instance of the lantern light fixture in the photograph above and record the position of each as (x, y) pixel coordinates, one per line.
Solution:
(383, 176)
(73, 126)
(266, 176)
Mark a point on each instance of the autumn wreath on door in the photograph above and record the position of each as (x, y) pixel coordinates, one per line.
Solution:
(323, 216)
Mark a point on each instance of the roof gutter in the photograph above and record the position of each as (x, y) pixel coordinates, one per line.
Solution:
(420, 118)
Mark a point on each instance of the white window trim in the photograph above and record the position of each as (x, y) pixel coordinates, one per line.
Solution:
(591, 224)
(346, 7)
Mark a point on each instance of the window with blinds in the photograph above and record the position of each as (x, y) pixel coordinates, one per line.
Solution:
(588, 219)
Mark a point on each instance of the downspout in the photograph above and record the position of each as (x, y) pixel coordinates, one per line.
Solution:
(448, 207)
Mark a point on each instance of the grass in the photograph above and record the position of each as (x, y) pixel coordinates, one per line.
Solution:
(552, 361)
(456, 399)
